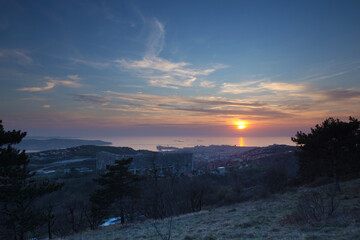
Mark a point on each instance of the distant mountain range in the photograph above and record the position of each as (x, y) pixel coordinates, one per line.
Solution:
(56, 143)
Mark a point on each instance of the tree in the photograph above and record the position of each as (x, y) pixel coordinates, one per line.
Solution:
(18, 189)
(331, 149)
(116, 184)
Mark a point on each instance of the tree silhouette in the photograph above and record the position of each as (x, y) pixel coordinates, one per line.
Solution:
(116, 184)
(331, 148)
(18, 189)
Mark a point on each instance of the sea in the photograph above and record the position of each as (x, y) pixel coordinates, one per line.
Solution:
(151, 143)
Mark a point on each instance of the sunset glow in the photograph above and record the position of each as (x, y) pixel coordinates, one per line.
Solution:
(169, 68)
(241, 125)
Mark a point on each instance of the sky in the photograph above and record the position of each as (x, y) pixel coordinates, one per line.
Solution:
(177, 68)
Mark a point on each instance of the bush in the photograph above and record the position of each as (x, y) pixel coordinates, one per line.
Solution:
(313, 207)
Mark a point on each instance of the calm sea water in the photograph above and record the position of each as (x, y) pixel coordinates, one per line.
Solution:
(150, 143)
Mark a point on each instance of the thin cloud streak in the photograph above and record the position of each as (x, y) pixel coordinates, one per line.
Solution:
(262, 85)
(161, 72)
(51, 83)
(20, 56)
(156, 39)
(99, 65)
(74, 77)
(35, 98)
(232, 112)
(91, 99)
(173, 105)
(301, 100)
(339, 94)
(207, 84)
(141, 97)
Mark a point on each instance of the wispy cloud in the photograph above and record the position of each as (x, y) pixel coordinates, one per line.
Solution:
(207, 84)
(159, 71)
(46, 106)
(176, 105)
(248, 112)
(156, 99)
(74, 77)
(225, 102)
(262, 85)
(34, 98)
(282, 86)
(21, 57)
(99, 65)
(48, 86)
(301, 100)
(91, 99)
(156, 39)
(52, 82)
(332, 71)
(340, 94)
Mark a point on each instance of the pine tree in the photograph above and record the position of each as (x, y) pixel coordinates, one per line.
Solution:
(18, 189)
(116, 184)
(330, 149)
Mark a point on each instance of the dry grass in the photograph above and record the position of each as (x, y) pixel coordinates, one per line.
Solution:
(263, 219)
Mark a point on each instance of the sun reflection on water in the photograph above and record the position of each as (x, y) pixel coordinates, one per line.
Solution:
(241, 141)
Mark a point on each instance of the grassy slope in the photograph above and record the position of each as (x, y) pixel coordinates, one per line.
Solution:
(261, 219)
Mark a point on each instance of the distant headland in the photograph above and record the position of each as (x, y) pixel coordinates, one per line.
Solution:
(31, 144)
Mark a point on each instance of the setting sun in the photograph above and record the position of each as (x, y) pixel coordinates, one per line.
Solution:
(241, 125)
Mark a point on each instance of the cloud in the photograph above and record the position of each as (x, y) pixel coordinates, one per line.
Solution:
(46, 106)
(156, 39)
(91, 99)
(282, 86)
(262, 85)
(74, 77)
(340, 94)
(245, 87)
(318, 77)
(297, 99)
(48, 86)
(21, 57)
(168, 81)
(330, 74)
(141, 97)
(225, 102)
(67, 83)
(250, 112)
(99, 65)
(161, 72)
(140, 103)
(154, 63)
(156, 99)
(51, 83)
(34, 98)
(207, 84)
(164, 73)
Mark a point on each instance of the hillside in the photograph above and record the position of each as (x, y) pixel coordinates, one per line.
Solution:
(262, 219)
(56, 143)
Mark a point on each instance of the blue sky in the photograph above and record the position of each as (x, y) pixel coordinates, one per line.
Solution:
(114, 68)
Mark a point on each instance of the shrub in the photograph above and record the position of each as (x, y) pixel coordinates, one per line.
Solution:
(313, 207)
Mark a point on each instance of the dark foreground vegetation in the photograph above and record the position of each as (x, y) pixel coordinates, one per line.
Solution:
(76, 203)
(279, 216)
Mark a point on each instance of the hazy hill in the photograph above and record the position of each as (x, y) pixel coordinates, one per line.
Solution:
(56, 143)
(84, 152)
(90, 151)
